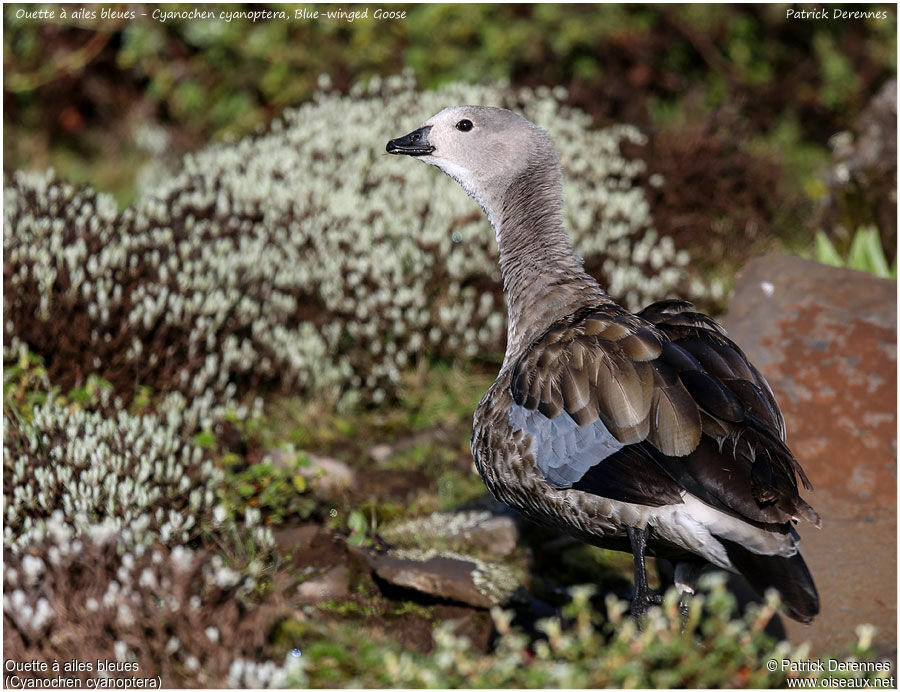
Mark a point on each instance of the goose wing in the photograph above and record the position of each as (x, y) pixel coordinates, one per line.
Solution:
(643, 407)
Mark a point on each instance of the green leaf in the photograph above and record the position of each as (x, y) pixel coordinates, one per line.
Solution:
(246, 489)
(866, 253)
(205, 439)
(826, 252)
(356, 522)
(79, 395)
(357, 539)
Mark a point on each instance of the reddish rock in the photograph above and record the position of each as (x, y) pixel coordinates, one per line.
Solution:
(311, 546)
(327, 476)
(825, 338)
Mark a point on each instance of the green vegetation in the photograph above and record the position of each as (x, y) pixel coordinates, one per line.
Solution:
(25, 385)
(582, 649)
(864, 254)
(439, 396)
(195, 81)
(359, 529)
(277, 492)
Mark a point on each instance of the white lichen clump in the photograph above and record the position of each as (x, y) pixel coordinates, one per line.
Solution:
(252, 674)
(306, 257)
(74, 473)
(111, 599)
(435, 526)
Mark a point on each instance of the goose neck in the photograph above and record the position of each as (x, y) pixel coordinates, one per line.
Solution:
(543, 277)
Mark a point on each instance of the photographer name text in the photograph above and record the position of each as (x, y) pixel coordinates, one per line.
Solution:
(833, 13)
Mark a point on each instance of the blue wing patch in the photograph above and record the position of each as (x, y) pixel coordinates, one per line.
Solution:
(563, 450)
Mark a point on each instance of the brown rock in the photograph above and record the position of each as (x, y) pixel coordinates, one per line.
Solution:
(332, 585)
(495, 535)
(446, 575)
(293, 538)
(311, 546)
(825, 338)
(327, 476)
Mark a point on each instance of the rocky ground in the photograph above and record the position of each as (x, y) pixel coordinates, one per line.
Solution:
(826, 339)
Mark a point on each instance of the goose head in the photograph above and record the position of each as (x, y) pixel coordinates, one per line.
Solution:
(484, 149)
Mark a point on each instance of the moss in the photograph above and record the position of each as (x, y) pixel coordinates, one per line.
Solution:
(291, 633)
(347, 608)
(455, 488)
(277, 493)
(382, 512)
(434, 395)
(412, 608)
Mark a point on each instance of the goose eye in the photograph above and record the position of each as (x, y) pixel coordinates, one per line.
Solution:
(464, 125)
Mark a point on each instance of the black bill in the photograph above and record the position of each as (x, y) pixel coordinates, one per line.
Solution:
(413, 144)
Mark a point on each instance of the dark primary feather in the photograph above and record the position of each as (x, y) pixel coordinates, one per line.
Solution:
(631, 475)
(693, 411)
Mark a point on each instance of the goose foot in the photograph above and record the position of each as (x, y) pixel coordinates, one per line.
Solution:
(686, 574)
(684, 608)
(642, 600)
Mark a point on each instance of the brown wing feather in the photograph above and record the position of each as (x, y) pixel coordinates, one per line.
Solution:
(675, 419)
(602, 363)
(668, 378)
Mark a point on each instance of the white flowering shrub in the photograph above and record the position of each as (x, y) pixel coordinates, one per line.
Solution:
(111, 520)
(713, 647)
(134, 476)
(244, 673)
(304, 256)
(177, 613)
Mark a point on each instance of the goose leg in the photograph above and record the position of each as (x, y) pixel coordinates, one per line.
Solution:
(643, 597)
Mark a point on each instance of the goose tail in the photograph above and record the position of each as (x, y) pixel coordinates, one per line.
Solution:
(789, 576)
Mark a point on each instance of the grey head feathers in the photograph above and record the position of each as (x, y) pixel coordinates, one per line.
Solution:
(485, 150)
(511, 168)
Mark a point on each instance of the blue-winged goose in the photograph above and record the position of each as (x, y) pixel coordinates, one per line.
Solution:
(647, 432)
